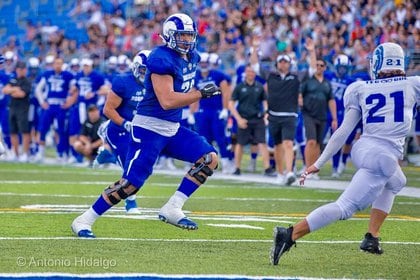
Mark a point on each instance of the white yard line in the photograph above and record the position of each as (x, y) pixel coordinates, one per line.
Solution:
(4, 238)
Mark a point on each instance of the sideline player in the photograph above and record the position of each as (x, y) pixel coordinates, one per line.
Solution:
(169, 86)
(385, 105)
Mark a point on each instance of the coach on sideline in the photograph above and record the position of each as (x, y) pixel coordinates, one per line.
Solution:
(283, 93)
(19, 89)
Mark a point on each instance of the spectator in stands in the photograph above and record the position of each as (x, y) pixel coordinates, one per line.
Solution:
(248, 106)
(88, 141)
(19, 89)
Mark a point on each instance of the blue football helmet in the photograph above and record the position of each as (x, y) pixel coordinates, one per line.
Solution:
(387, 57)
(175, 28)
(138, 66)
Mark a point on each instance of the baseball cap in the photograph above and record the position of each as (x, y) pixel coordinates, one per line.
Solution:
(284, 57)
(20, 64)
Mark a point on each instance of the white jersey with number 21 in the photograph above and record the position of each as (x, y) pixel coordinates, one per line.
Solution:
(387, 107)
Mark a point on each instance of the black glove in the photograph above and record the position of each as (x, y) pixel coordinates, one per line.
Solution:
(209, 90)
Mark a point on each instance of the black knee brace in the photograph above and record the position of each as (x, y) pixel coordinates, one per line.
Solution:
(123, 189)
(200, 171)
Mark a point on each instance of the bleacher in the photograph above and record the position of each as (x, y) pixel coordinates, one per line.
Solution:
(14, 15)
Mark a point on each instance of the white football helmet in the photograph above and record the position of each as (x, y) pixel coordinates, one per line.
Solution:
(342, 64)
(174, 28)
(138, 66)
(385, 57)
(204, 62)
(215, 60)
(33, 62)
(342, 60)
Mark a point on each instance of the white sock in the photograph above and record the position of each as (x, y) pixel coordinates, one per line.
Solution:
(90, 216)
(131, 197)
(41, 150)
(178, 199)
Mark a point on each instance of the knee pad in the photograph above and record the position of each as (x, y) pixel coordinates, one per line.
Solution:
(200, 171)
(120, 190)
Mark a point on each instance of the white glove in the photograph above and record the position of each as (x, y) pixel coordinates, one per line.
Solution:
(191, 119)
(127, 125)
(223, 115)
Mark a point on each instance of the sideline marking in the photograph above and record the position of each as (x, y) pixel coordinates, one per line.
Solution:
(4, 238)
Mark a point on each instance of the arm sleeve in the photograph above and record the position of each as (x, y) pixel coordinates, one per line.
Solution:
(337, 140)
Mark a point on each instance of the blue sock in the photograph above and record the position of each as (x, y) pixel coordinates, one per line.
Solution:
(336, 160)
(302, 152)
(100, 206)
(344, 158)
(187, 187)
(254, 155)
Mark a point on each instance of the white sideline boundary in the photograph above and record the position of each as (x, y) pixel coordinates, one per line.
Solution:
(195, 240)
(129, 276)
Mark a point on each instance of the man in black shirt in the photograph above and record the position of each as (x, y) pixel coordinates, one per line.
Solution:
(283, 93)
(251, 101)
(19, 89)
(88, 141)
(316, 99)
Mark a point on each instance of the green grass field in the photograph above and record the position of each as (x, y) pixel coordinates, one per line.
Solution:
(236, 219)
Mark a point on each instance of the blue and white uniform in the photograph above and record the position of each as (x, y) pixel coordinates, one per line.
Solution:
(131, 92)
(4, 109)
(86, 84)
(156, 130)
(208, 122)
(58, 85)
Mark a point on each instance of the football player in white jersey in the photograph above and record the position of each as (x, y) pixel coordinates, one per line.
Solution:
(385, 104)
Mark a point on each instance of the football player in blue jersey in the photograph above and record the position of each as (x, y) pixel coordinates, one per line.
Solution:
(87, 84)
(212, 114)
(4, 109)
(120, 107)
(54, 105)
(169, 84)
(34, 76)
(339, 79)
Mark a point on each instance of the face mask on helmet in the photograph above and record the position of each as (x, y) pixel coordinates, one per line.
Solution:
(387, 57)
(342, 64)
(138, 67)
(180, 33)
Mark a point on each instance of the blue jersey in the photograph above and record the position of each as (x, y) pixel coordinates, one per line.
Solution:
(130, 91)
(361, 76)
(338, 86)
(89, 84)
(165, 61)
(4, 98)
(58, 85)
(216, 77)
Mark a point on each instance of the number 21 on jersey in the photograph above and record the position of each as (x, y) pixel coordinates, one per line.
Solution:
(380, 100)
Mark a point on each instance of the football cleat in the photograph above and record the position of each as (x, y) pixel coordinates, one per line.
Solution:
(81, 228)
(176, 217)
(371, 244)
(290, 178)
(131, 207)
(282, 241)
